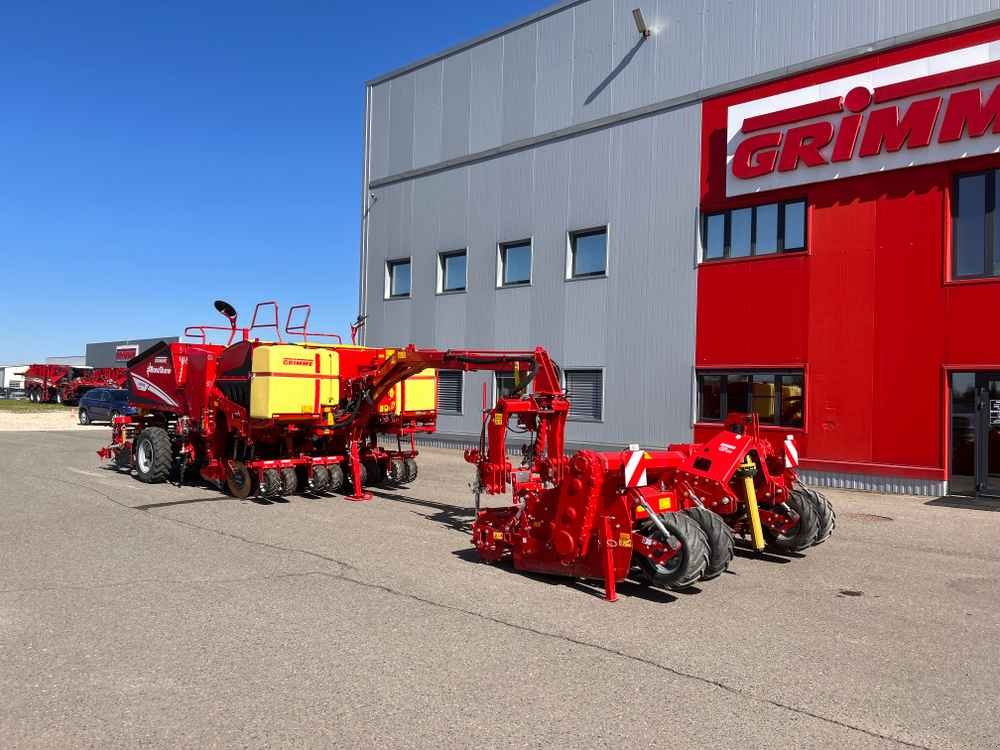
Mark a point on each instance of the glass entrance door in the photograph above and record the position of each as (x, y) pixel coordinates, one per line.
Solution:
(988, 437)
(975, 433)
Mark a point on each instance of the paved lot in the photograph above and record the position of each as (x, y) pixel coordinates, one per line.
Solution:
(157, 616)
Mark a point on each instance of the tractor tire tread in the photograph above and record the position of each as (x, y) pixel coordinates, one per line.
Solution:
(720, 541)
(162, 459)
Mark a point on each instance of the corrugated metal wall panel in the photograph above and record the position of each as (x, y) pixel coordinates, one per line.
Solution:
(593, 23)
(853, 23)
(678, 49)
(631, 72)
(427, 114)
(401, 92)
(518, 112)
(455, 117)
(728, 35)
(378, 137)
(783, 33)
(486, 81)
(554, 70)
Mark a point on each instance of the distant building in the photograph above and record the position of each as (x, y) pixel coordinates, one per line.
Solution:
(12, 376)
(117, 353)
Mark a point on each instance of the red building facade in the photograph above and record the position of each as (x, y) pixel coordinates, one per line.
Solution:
(848, 232)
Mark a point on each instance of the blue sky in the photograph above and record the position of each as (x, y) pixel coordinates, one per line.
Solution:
(156, 156)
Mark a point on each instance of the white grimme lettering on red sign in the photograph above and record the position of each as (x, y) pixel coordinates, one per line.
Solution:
(929, 110)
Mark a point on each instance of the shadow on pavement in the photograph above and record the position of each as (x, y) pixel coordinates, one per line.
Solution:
(965, 503)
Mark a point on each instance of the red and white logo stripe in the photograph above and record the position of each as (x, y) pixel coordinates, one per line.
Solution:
(791, 453)
(635, 467)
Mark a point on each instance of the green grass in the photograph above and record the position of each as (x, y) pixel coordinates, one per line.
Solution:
(26, 407)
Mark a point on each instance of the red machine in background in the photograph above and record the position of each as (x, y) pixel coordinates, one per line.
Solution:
(64, 384)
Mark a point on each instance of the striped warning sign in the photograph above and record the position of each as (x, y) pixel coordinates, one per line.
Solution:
(635, 467)
(791, 453)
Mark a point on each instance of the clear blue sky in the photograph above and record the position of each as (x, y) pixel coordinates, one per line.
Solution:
(156, 156)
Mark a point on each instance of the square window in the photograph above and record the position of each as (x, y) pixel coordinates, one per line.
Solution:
(449, 391)
(397, 278)
(451, 271)
(763, 395)
(738, 393)
(503, 385)
(515, 263)
(585, 391)
(792, 401)
(588, 253)
(710, 397)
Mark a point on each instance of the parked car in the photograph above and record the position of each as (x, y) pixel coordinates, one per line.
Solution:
(104, 404)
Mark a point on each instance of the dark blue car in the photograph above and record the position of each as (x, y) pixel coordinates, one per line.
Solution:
(104, 404)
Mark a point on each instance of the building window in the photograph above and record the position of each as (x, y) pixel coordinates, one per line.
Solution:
(975, 241)
(777, 398)
(757, 230)
(585, 391)
(397, 278)
(449, 391)
(588, 253)
(504, 384)
(451, 271)
(514, 263)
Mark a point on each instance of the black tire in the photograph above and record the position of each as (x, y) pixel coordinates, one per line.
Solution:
(289, 481)
(154, 455)
(825, 514)
(240, 481)
(720, 541)
(271, 484)
(397, 471)
(374, 473)
(685, 568)
(349, 476)
(83, 416)
(336, 477)
(320, 479)
(411, 470)
(802, 536)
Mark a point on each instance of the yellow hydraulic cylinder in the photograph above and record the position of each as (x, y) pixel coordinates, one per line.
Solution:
(749, 469)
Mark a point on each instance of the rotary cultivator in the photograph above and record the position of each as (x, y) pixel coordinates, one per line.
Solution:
(269, 418)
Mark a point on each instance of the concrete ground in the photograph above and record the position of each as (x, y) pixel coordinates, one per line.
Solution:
(150, 615)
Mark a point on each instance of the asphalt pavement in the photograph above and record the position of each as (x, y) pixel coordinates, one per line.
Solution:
(158, 616)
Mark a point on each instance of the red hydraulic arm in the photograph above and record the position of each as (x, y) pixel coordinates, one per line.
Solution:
(543, 411)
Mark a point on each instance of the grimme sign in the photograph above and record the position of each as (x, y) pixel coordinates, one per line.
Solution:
(934, 109)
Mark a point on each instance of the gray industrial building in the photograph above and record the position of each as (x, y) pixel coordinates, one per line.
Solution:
(117, 353)
(540, 185)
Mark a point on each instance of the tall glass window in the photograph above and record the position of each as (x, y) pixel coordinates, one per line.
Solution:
(777, 398)
(975, 252)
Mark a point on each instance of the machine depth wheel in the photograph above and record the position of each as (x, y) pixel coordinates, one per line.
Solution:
(688, 565)
(289, 481)
(397, 471)
(374, 473)
(802, 536)
(58, 398)
(122, 459)
(411, 470)
(239, 481)
(154, 456)
(271, 484)
(720, 541)
(826, 516)
(320, 479)
(84, 416)
(336, 477)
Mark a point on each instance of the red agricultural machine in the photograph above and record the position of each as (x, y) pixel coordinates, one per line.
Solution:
(64, 384)
(269, 418)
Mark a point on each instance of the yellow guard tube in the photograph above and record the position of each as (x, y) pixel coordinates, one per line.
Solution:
(749, 469)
